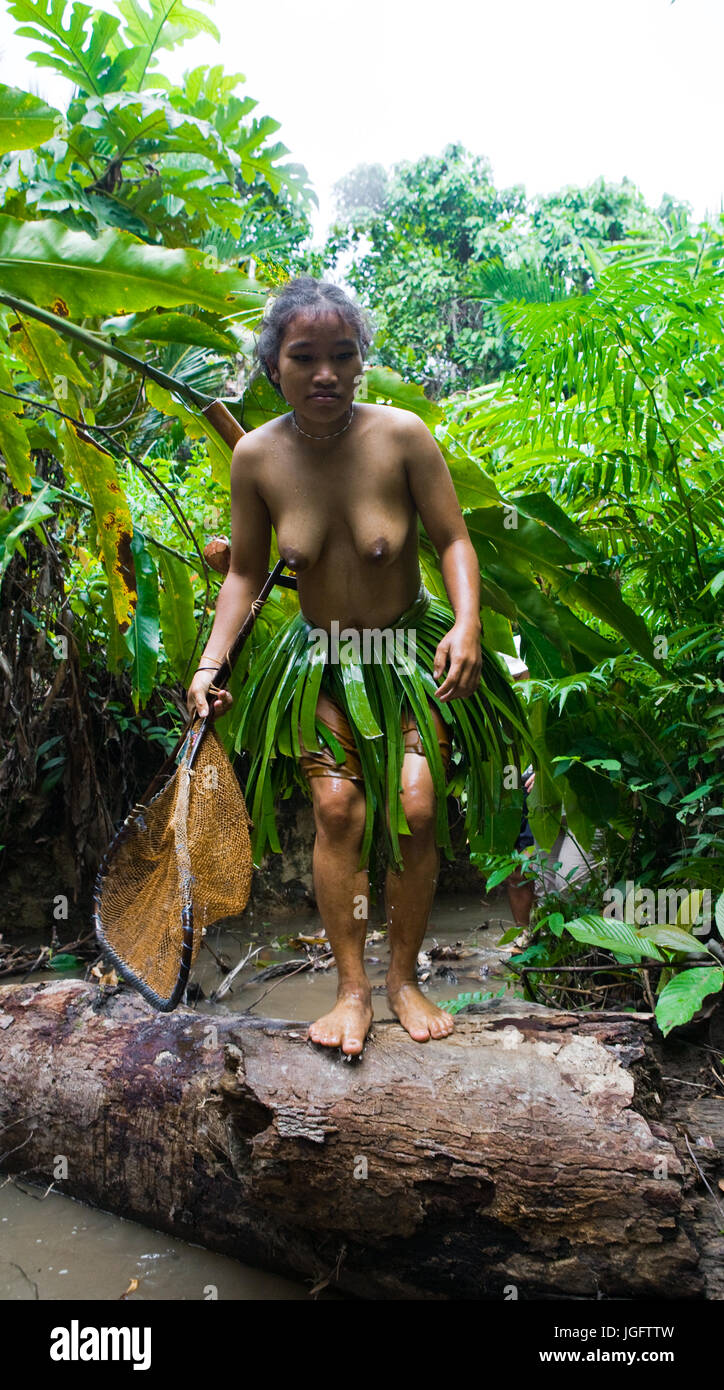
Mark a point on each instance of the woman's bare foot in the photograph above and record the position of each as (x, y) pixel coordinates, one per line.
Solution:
(347, 1025)
(422, 1019)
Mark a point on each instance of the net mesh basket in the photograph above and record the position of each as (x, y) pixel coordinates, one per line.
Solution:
(177, 865)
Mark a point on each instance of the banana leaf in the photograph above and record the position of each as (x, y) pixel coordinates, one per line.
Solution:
(489, 731)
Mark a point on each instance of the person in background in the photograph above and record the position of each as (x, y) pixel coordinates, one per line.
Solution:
(565, 857)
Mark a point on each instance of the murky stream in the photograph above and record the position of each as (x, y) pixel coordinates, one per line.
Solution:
(52, 1247)
(459, 955)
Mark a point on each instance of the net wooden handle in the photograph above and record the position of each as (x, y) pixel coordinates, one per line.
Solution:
(223, 422)
(224, 671)
(229, 429)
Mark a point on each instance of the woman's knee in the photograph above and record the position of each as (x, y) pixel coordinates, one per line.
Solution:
(418, 804)
(339, 808)
(420, 813)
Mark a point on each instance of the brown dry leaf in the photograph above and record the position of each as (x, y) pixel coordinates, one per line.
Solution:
(447, 952)
(131, 1288)
(110, 979)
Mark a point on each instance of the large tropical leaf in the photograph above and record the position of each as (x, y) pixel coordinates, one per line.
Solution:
(76, 274)
(173, 328)
(473, 486)
(541, 507)
(178, 626)
(95, 472)
(530, 547)
(18, 520)
(674, 939)
(261, 402)
(581, 826)
(546, 795)
(158, 24)
(498, 633)
(25, 120)
(680, 999)
(530, 604)
(48, 360)
(196, 426)
(14, 442)
(524, 543)
(601, 597)
(381, 384)
(76, 54)
(142, 638)
(611, 935)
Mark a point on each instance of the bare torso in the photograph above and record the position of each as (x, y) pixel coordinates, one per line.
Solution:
(345, 507)
(344, 517)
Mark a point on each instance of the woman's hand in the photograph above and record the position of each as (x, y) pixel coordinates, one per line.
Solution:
(197, 697)
(461, 647)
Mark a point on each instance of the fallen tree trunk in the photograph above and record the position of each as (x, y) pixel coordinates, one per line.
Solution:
(522, 1157)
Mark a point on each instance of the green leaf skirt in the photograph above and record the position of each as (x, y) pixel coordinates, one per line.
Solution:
(489, 730)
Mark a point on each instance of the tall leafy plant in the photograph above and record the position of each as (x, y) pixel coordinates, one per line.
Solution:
(127, 256)
(114, 213)
(614, 417)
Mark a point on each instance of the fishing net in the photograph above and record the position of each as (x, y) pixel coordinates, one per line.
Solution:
(177, 864)
(182, 859)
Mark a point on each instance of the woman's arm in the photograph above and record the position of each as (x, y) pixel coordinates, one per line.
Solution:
(434, 495)
(249, 566)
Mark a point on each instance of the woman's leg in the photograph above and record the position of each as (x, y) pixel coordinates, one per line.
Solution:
(409, 896)
(520, 897)
(339, 813)
(341, 889)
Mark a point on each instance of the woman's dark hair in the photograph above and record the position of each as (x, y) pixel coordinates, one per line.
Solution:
(306, 293)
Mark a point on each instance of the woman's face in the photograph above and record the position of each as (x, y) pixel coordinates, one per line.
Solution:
(319, 365)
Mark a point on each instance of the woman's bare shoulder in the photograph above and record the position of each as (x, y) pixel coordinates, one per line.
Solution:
(254, 443)
(401, 423)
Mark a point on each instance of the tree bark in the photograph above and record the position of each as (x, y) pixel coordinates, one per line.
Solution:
(525, 1156)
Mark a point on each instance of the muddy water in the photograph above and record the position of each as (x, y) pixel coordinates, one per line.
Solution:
(52, 1247)
(459, 955)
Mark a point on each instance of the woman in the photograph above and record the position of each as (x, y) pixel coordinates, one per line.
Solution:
(343, 485)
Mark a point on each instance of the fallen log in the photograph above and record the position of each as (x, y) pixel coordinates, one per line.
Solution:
(524, 1156)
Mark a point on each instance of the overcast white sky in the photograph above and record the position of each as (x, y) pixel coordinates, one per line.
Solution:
(552, 91)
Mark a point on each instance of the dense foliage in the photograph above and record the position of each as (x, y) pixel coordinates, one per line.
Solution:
(615, 414)
(425, 243)
(136, 219)
(140, 232)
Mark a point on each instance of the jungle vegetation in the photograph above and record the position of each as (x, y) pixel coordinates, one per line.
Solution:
(565, 350)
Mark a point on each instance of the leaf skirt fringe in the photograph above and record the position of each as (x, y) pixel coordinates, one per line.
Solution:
(489, 730)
